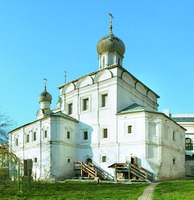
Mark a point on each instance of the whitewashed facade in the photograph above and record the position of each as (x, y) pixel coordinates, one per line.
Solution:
(107, 116)
(187, 121)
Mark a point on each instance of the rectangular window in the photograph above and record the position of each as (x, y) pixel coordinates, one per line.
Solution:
(68, 160)
(104, 98)
(16, 141)
(34, 136)
(105, 133)
(174, 161)
(68, 135)
(188, 144)
(103, 62)
(35, 160)
(119, 61)
(85, 104)
(173, 135)
(27, 138)
(111, 60)
(103, 158)
(129, 129)
(70, 108)
(45, 134)
(85, 135)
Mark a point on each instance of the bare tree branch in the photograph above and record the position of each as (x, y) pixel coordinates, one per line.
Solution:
(5, 125)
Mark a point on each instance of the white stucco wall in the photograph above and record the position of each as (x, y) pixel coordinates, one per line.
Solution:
(151, 139)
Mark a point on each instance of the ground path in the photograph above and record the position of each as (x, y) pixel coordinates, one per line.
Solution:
(147, 194)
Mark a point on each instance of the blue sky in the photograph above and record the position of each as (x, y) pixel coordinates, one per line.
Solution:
(43, 38)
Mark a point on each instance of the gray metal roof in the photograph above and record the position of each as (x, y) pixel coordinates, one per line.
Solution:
(135, 108)
(183, 119)
(60, 114)
(57, 114)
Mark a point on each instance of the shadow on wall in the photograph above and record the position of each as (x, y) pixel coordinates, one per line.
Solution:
(84, 138)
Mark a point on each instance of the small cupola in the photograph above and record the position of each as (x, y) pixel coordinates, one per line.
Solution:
(110, 49)
(45, 96)
(45, 99)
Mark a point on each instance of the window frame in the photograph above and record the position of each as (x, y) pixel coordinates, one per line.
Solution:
(16, 142)
(103, 159)
(104, 133)
(27, 138)
(85, 135)
(70, 108)
(34, 136)
(45, 133)
(85, 104)
(129, 125)
(188, 145)
(173, 135)
(35, 160)
(104, 100)
(119, 61)
(129, 129)
(68, 135)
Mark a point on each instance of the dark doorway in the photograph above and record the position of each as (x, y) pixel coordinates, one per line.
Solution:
(88, 160)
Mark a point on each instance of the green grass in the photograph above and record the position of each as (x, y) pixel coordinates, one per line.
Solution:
(174, 190)
(73, 190)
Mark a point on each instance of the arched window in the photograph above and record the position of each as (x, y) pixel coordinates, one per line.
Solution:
(188, 144)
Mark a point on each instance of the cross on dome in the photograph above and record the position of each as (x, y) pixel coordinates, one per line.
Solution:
(45, 80)
(111, 17)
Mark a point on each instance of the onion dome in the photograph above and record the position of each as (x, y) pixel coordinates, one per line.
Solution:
(110, 49)
(45, 96)
(111, 43)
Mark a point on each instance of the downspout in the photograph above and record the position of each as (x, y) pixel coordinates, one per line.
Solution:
(78, 107)
(40, 149)
(160, 123)
(117, 142)
(23, 144)
(98, 116)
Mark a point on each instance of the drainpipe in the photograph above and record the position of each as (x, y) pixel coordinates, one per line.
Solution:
(160, 143)
(117, 142)
(98, 124)
(40, 149)
(78, 103)
(23, 144)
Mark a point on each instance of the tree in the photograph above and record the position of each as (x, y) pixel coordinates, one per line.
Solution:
(5, 124)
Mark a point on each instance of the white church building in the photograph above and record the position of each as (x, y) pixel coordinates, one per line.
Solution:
(106, 117)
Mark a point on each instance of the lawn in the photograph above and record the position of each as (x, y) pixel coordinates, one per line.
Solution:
(175, 190)
(72, 190)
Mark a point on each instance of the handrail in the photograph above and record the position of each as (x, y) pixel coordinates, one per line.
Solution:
(92, 170)
(101, 173)
(86, 168)
(139, 171)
